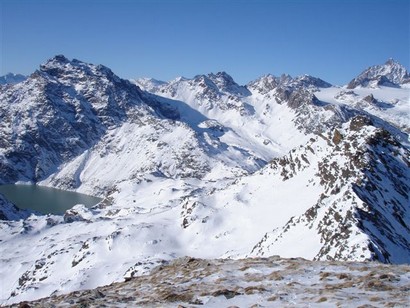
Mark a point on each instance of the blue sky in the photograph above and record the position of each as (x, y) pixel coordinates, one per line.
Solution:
(334, 40)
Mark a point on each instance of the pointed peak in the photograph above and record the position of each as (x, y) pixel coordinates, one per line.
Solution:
(56, 61)
(391, 61)
(285, 78)
(59, 59)
(223, 74)
(391, 73)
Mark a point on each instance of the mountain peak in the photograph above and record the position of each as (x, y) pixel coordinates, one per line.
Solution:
(221, 74)
(54, 65)
(391, 61)
(221, 78)
(391, 74)
(60, 58)
(226, 83)
(56, 61)
(59, 66)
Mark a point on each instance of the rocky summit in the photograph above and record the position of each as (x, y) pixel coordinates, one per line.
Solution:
(389, 74)
(202, 170)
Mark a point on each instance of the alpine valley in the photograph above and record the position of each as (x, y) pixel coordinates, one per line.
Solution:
(201, 167)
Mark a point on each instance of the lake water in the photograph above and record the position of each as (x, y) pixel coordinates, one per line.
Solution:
(45, 199)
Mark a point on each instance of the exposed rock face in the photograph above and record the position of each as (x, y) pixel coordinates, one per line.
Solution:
(249, 282)
(337, 137)
(390, 74)
(295, 98)
(358, 122)
(77, 213)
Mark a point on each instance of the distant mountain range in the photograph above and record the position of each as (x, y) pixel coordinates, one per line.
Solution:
(201, 167)
(11, 78)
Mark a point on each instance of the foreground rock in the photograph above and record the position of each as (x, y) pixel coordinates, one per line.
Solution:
(252, 282)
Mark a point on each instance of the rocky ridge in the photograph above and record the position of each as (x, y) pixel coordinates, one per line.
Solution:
(349, 170)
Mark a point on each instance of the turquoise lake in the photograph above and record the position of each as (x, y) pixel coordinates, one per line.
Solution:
(45, 199)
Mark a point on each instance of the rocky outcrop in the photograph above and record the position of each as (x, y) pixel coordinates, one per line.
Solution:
(77, 213)
(248, 282)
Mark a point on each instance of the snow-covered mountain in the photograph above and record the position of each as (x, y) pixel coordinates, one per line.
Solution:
(203, 167)
(69, 119)
(11, 78)
(390, 74)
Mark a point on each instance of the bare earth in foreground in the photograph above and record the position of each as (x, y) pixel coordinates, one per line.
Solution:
(253, 282)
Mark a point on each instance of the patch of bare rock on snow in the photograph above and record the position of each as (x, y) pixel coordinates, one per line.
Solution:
(251, 282)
